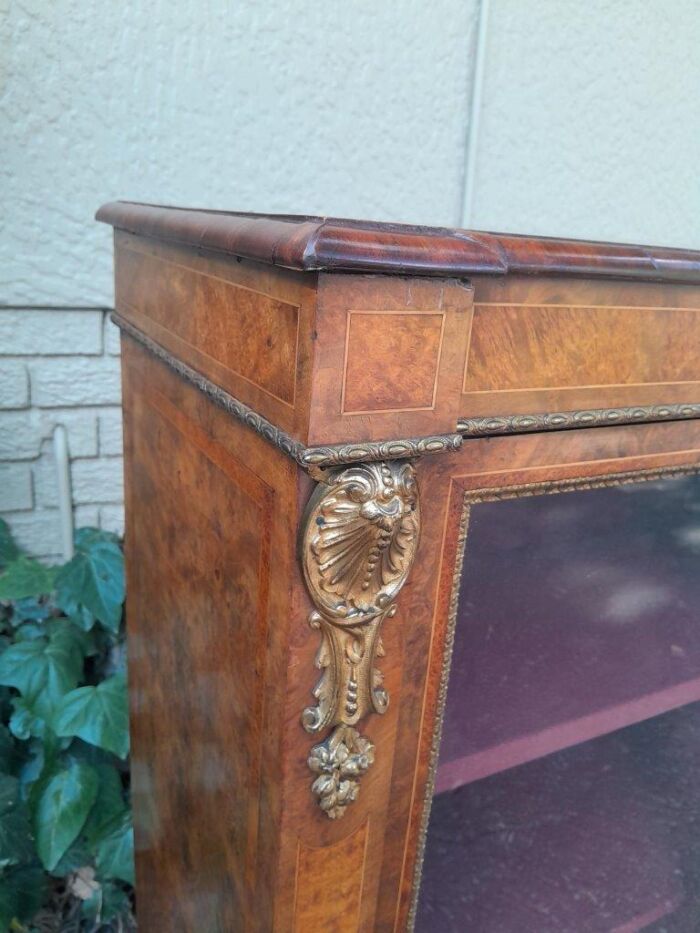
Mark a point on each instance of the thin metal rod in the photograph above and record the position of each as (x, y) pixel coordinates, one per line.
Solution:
(475, 115)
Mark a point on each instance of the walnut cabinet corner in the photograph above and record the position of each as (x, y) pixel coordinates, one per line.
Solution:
(413, 566)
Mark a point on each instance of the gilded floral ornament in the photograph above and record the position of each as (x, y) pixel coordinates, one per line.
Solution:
(339, 762)
(359, 540)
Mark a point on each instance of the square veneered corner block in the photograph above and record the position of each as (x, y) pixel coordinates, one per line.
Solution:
(414, 340)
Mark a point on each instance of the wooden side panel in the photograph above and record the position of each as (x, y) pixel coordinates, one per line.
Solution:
(539, 347)
(229, 835)
(207, 503)
(389, 358)
(247, 328)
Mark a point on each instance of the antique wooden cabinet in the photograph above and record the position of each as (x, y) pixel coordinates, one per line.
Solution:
(355, 451)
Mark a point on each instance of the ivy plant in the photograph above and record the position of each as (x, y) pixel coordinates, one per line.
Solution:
(66, 837)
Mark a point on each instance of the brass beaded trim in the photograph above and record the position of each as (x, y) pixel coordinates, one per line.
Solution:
(568, 420)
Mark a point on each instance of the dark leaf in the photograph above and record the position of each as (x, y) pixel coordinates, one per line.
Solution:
(16, 844)
(8, 549)
(25, 722)
(109, 805)
(29, 609)
(9, 759)
(76, 856)
(89, 754)
(28, 631)
(21, 894)
(44, 669)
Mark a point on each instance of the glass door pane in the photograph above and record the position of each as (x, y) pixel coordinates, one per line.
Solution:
(568, 783)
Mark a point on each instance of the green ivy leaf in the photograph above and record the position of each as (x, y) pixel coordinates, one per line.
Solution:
(76, 856)
(44, 669)
(61, 809)
(29, 631)
(115, 852)
(21, 894)
(93, 581)
(25, 577)
(84, 642)
(98, 715)
(80, 615)
(16, 844)
(8, 549)
(109, 805)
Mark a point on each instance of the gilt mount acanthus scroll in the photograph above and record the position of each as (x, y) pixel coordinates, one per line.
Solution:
(359, 539)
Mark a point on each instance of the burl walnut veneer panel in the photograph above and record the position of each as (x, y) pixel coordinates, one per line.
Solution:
(246, 318)
(374, 337)
(201, 527)
(290, 611)
(571, 345)
(247, 328)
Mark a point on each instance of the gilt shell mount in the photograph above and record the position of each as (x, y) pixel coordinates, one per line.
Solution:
(360, 538)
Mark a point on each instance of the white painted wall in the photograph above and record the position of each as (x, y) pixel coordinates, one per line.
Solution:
(590, 126)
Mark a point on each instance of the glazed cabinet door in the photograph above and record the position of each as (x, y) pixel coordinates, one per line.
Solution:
(566, 790)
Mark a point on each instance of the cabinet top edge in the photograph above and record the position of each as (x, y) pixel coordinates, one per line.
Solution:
(315, 244)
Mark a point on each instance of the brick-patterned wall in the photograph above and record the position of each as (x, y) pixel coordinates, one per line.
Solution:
(59, 367)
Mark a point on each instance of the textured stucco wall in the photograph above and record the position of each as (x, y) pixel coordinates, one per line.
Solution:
(353, 108)
(591, 120)
(590, 126)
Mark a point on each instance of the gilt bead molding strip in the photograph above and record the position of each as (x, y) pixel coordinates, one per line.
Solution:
(312, 459)
(358, 541)
(567, 420)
